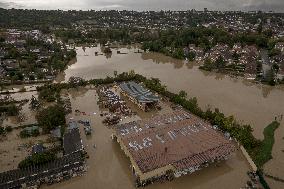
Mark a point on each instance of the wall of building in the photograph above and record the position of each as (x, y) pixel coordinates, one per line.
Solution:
(141, 106)
(247, 156)
(143, 176)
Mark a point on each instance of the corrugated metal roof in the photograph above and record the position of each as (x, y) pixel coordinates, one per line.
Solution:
(138, 92)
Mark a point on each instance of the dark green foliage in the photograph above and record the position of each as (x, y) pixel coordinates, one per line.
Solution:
(10, 110)
(51, 117)
(2, 130)
(171, 43)
(243, 133)
(47, 94)
(220, 63)
(76, 82)
(25, 133)
(275, 67)
(191, 56)
(263, 153)
(37, 159)
(274, 52)
(270, 77)
(209, 65)
(178, 53)
(262, 180)
(259, 67)
(34, 103)
(8, 129)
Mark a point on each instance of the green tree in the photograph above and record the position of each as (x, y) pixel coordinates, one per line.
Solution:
(115, 73)
(182, 94)
(2, 130)
(37, 159)
(207, 65)
(275, 67)
(270, 77)
(220, 63)
(51, 117)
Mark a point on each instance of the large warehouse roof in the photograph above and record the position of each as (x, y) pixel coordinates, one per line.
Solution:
(179, 139)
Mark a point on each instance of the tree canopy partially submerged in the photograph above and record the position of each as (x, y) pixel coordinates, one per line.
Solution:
(37, 159)
(263, 153)
(51, 117)
(243, 133)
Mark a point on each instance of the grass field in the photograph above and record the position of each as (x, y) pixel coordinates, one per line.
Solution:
(263, 152)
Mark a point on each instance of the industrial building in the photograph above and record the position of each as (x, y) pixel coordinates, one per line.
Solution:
(144, 98)
(171, 145)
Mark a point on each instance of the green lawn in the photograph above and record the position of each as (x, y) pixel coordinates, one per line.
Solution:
(263, 153)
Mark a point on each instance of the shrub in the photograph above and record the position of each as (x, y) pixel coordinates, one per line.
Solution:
(24, 134)
(2, 130)
(37, 159)
(9, 129)
(51, 117)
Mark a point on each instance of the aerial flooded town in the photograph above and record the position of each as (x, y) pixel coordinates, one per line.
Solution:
(126, 97)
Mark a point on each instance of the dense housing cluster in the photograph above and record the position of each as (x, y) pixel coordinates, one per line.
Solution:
(192, 35)
(31, 56)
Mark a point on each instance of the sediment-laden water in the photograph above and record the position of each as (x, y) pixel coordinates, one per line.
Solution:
(249, 102)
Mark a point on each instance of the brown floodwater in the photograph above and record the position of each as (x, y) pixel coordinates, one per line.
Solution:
(251, 103)
(108, 167)
(26, 115)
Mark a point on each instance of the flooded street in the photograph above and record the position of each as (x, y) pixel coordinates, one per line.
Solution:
(249, 102)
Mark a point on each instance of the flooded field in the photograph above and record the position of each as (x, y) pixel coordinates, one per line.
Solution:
(109, 167)
(14, 149)
(26, 115)
(249, 102)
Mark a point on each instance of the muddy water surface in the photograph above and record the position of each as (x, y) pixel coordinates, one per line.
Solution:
(249, 102)
(109, 167)
(26, 115)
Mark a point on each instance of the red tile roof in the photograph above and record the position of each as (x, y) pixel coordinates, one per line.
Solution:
(180, 139)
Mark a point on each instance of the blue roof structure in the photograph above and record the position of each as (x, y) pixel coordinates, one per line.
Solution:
(72, 125)
(38, 148)
(138, 92)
